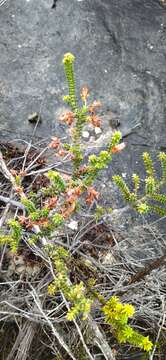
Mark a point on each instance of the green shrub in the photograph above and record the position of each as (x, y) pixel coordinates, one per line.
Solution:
(65, 195)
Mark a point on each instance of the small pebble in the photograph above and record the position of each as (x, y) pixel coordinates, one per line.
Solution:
(73, 225)
(85, 134)
(92, 138)
(98, 131)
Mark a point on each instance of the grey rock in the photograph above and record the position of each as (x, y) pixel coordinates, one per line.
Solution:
(85, 134)
(120, 50)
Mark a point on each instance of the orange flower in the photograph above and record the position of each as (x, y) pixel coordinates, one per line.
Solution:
(92, 195)
(13, 172)
(94, 119)
(67, 117)
(18, 189)
(118, 148)
(84, 93)
(73, 194)
(54, 144)
(41, 222)
(94, 106)
(51, 203)
(66, 211)
(66, 177)
(78, 191)
(25, 222)
(22, 173)
(41, 161)
(22, 220)
(71, 197)
(61, 152)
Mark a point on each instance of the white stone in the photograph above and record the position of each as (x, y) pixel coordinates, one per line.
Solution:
(85, 134)
(98, 131)
(73, 225)
(150, 46)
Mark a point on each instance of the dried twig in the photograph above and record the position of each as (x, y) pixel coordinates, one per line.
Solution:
(20, 349)
(100, 340)
(140, 275)
(12, 202)
(162, 321)
(4, 170)
(80, 333)
(55, 332)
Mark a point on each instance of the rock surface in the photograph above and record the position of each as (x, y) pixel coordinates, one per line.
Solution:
(120, 48)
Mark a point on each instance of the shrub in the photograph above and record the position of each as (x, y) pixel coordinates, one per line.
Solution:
(66, 194)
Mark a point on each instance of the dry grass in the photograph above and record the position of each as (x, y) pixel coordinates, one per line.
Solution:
(129, 264)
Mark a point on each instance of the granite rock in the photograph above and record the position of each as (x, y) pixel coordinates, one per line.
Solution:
(120, 48)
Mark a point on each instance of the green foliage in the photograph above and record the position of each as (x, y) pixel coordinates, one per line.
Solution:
(30, 206)
(136, 182)
(116, 137)
(71, 99)
(33, 239)
(117, 315)
(150, 185)
(158, 210)
(162, 158)
(14, 237)
(58, 183)
(68, 62)
(57, 220)
(100, 211)
(128, 196)
(159, 197)
(62, 196)
(142, 208)
(5, 239)
(145, 201)
(38, 214)
(77, 156)
(16, 233)
(148, 164)
(101, 161)
(18, 180)
(75, 294)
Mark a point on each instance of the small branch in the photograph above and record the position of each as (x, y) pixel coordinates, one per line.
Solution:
(160, 329)
(54, 4)
(79, 332)
(140, 275)
(12, 202)
(100, 340)
(54, 330)
(3, 217)
(21, 347)
(4, 170)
